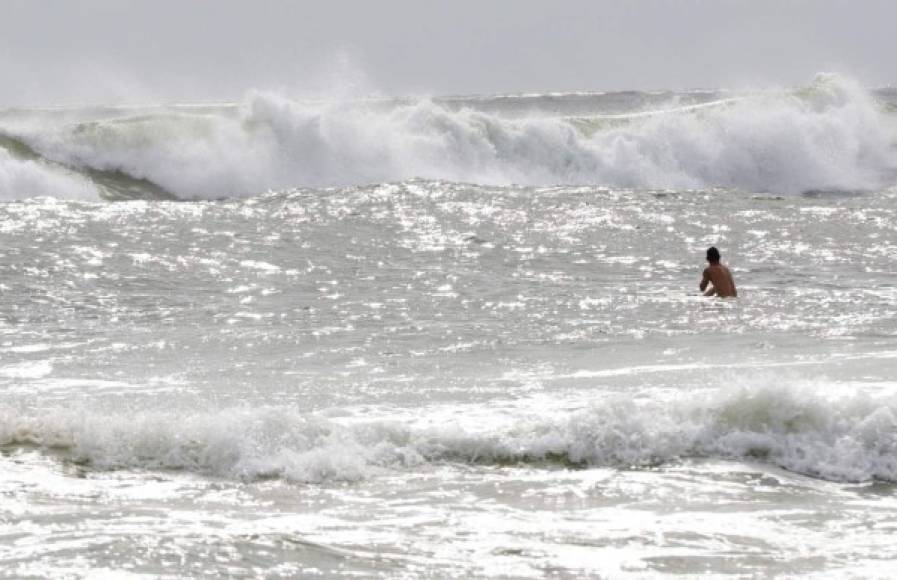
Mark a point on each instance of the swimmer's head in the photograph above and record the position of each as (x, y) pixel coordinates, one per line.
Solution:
(712, 255)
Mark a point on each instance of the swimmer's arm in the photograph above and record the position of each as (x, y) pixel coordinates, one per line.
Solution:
(704, 281)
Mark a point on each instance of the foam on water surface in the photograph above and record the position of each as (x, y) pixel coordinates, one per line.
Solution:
(831, 136)
(828, 435)
(433, 377)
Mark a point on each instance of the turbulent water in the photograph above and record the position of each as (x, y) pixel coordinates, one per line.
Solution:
(450, 337)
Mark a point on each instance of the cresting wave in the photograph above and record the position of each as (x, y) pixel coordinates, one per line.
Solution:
(833, 135)
(848, 439)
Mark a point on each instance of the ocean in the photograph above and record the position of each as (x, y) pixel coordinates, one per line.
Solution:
(451, 336)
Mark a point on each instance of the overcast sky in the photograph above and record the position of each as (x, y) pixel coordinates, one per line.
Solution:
(66, 51)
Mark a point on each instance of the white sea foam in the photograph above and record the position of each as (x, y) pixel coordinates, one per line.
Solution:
(831, 136)
(23, 178)
(850, 438)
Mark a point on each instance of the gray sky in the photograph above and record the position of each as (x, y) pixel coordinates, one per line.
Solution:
(65, 51)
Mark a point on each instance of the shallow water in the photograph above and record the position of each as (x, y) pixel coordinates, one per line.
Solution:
(444, 374)
(437, 379)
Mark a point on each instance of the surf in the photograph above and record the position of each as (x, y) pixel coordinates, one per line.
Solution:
(802, 428)
(830, 136)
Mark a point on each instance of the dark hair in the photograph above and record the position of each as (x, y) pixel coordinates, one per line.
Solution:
(712, 254)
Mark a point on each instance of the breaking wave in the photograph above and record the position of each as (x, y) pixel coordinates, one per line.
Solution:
(833, 135)
(848, 439)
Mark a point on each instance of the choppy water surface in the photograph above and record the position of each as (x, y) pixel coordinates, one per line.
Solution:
(257, 364)
(430, 378)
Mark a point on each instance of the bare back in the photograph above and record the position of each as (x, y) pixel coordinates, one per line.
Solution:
(720, 278)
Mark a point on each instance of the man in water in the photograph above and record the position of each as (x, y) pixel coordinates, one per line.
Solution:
(720, 278)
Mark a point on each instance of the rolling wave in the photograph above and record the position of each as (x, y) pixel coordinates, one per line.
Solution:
(26, 173)
(831, 136)
(848, 439)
